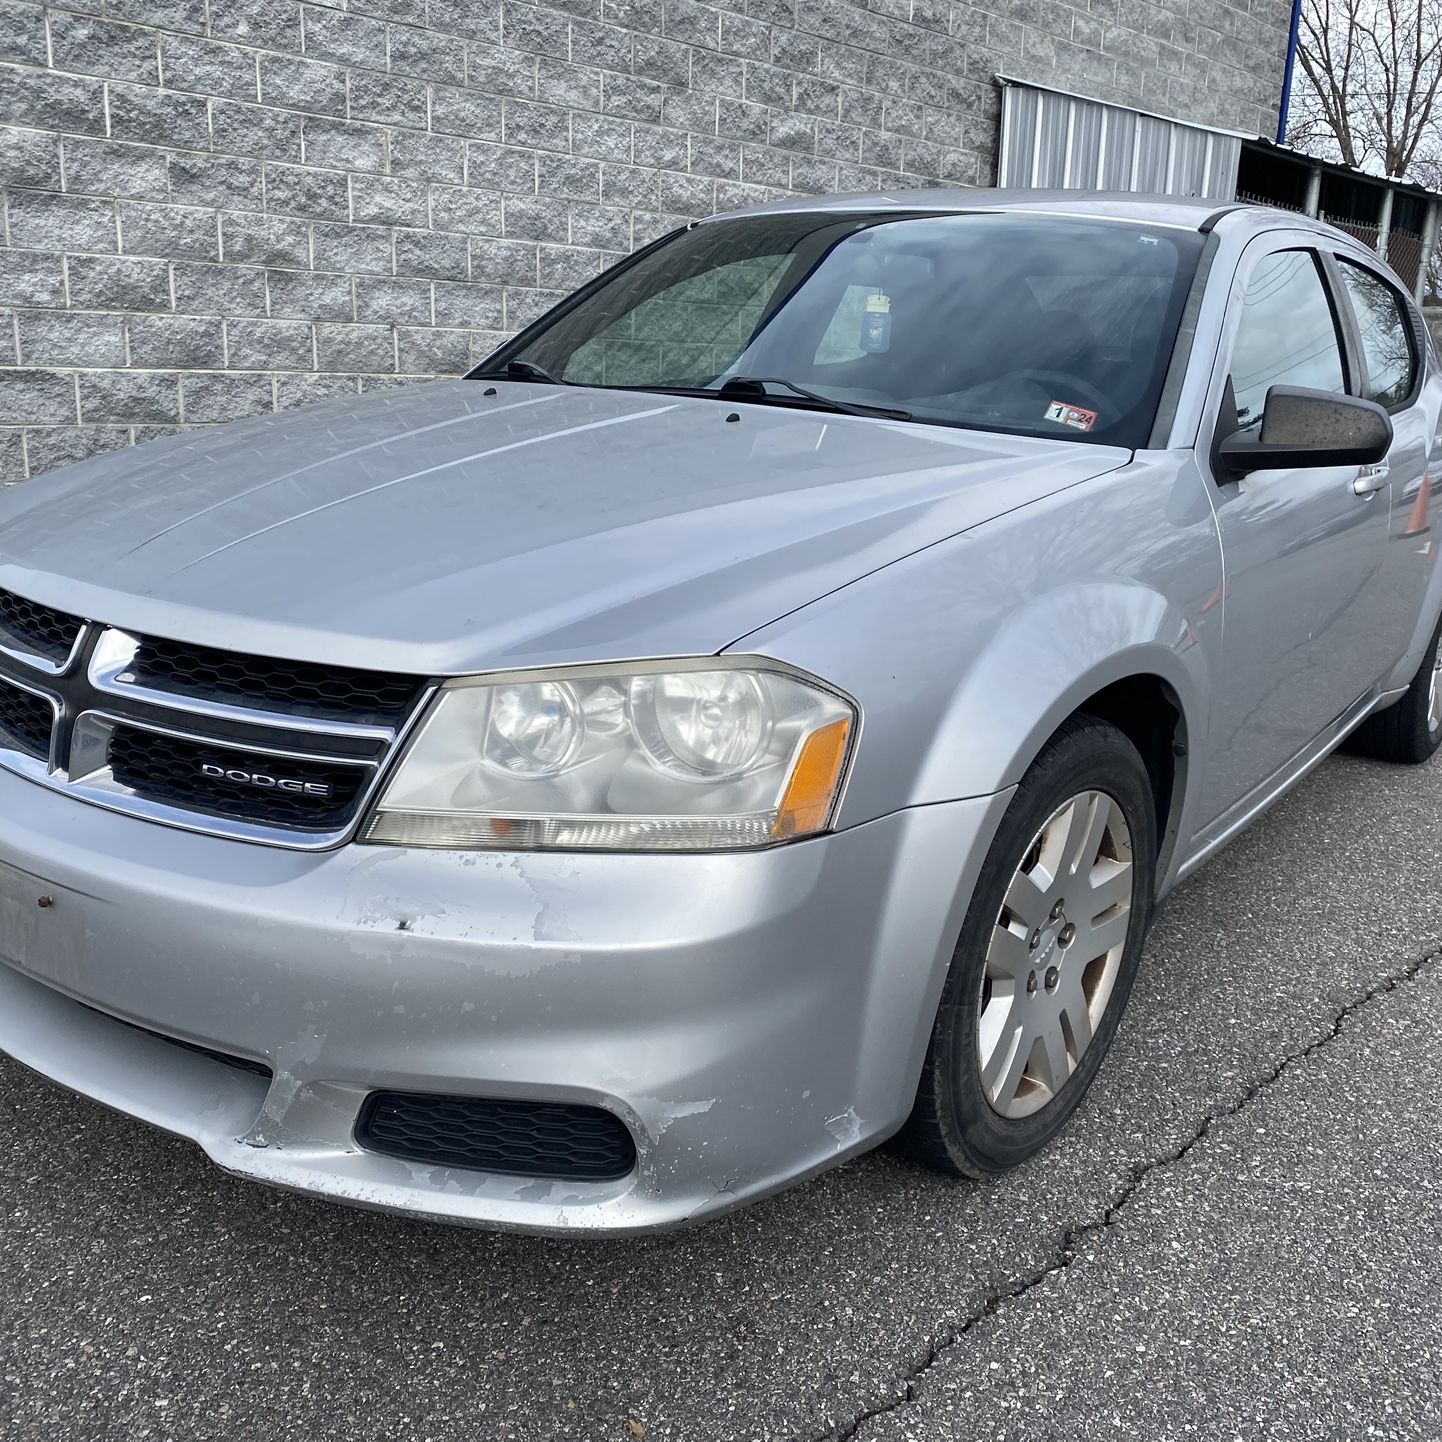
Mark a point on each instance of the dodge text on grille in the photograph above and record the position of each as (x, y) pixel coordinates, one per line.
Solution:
(265, 782)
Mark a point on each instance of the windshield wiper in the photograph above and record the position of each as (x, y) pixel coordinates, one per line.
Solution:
(753, 388)
(521, 370)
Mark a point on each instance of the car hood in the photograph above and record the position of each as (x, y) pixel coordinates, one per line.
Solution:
(451, 527)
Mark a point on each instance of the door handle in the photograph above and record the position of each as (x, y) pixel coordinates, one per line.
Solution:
(1371, 479)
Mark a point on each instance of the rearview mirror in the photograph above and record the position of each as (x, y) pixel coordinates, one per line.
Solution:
(1307, 428)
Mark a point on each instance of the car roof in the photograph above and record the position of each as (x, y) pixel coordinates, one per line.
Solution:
(1185, 212)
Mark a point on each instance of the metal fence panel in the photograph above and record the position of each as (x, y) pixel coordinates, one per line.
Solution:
(1050, 139)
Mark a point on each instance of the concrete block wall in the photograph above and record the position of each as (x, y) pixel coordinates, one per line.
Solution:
(218, 207)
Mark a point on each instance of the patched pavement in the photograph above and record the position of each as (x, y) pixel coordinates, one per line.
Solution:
(1238, 1236)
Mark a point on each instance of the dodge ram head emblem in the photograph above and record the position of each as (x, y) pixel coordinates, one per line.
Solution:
(319, 789)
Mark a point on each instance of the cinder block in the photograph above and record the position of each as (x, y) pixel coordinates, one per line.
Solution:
(99, 47)
(31, 278)
(344, 38)
(265, 240)
(361, 248)
(106, 168)
(44, 221)
(37, 397)
(393, 299)
(224, 290)
(104, 282)
(362, 349)
(297, 84)
(168, 230)
(386, 200)
(390, 99)
(343, 144)
(29, 158)
(128, 397)
(207, 67)
(48, 448)
(69, 338)
(158, 117)
(436, 256)
(175, 342)
(266, 345)
(219, 180)
(311, 295)
(433, 351)
(207, 398)
(22, 33)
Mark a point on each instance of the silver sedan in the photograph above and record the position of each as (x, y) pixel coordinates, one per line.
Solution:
(752, 716)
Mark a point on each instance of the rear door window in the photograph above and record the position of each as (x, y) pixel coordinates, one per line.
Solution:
(1386, 335)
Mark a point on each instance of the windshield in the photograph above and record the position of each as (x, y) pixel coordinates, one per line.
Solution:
(1035, 325)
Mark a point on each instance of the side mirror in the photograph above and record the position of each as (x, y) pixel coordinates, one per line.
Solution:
(1307, 428)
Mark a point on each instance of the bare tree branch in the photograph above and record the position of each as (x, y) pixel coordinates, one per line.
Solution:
(1371, 74)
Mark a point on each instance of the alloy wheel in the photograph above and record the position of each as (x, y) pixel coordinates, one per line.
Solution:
(1054, 953)
(1434, 696)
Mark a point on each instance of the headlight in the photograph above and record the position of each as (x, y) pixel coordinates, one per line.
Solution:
(676, 757)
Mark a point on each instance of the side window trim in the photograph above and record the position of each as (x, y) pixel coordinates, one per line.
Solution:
(1354, 358)
(1333, 262)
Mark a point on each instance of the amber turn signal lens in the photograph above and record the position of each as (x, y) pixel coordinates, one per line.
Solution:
(812, 787)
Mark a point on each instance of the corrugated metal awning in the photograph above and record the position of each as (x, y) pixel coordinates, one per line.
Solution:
(1053, 140)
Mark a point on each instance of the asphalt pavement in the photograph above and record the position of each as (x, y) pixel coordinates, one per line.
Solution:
(1237, 1237)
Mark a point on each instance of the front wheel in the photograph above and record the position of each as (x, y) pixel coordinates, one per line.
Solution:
(1046, 958)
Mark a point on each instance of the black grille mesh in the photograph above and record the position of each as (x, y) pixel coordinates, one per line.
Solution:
(46, 632)
(515, 1138)
(25, 721)
(294, 688)
(168, 769)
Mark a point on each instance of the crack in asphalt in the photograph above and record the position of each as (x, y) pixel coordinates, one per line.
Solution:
(1071, 1239)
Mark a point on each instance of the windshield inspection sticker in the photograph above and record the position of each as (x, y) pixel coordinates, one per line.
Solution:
(1073, 416)
(876, 324)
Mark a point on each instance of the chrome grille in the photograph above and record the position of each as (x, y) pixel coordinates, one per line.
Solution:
(265, 749)
(26, 720)
(37, 631)
(298, 688)
(228, 781)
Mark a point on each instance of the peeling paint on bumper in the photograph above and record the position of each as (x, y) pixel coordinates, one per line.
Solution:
(754, 1018)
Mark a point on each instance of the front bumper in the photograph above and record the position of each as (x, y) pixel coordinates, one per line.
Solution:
(753, 1017)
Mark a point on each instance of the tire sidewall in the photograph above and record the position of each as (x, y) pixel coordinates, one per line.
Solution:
(1096, 758)
(1426, 740)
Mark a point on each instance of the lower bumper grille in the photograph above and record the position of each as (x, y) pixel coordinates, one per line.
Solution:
(515, 1138)
(305, 795)
(25, 721)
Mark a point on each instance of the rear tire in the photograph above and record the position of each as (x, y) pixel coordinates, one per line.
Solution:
(1047, 956)
(1410, 729)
